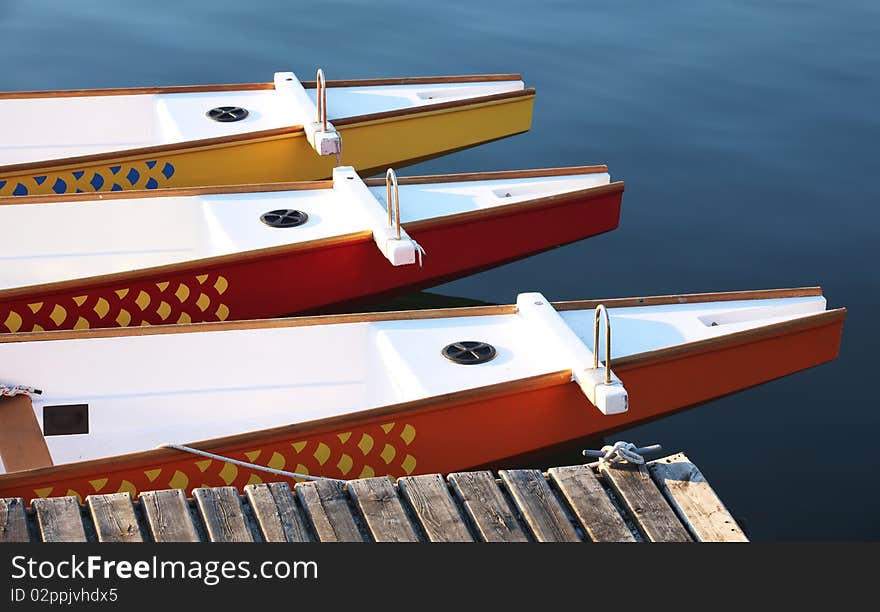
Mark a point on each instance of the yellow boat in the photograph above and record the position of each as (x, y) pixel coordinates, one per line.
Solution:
(288, 130)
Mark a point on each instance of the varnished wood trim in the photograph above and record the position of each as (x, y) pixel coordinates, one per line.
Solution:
(176, 89)
(691, 298)
(132, 91)
(491, 175)
(434, 313)
(420, 80)
(278, 323)
(208, 263)
(238, 139)
(168, 192)
(299, 185)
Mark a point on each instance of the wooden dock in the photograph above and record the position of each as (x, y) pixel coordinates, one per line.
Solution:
(665, 500)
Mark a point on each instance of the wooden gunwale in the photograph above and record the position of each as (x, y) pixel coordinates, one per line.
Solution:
(401, 315)
(170, 192)
(173, 89)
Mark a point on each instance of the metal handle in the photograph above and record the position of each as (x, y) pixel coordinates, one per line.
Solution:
(391, 181)
(322, 99)
(599, 310)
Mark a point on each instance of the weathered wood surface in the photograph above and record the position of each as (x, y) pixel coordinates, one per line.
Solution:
(538, 506)
(114, 518)
(589, 502)
(13, 520)
(326, 504)
(382, 510)
(221, 511)
(435, 508)
(278, 513)
(168, 516)
(653, 517)
(695, 502)
(59, 519)
(666, 500)
(486, 506)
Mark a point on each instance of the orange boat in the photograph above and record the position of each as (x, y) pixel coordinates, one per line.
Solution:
(350, 396)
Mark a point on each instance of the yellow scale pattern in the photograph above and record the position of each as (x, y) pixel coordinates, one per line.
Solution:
(364, 453)
(195, 299)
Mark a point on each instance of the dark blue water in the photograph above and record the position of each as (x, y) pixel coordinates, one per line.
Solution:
(746, 132)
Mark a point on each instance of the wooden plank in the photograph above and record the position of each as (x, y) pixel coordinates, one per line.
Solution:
(378, 501)
(695, 502)
(22, 443)
(114, 518)
(434, 507)
(542, 512)
(222, 514)
(487, 508)
(168, 516)
(277, 511)
(59, 519)
(326, 504)
(656, 521)
(13, 520)
(590, 504)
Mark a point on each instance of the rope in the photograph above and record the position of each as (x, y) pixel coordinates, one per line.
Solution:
(622, 451)
(11, 390)
(421, 252)
(253, 466)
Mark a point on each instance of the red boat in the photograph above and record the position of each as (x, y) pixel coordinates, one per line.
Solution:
(243, 252)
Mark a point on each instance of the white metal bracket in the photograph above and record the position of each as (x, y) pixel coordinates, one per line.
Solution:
(609, 397)
(320, 133)
(355, 193)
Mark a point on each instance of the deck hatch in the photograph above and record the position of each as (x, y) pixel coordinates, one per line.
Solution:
(65, 419)
(469, 352)
(227, 114)
(285, 217)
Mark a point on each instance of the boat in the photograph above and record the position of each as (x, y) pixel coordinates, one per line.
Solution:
(361, 395)
(104, 140)
(254, 251)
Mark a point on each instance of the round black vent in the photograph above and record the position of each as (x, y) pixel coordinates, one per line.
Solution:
(285, 217)
(225, 114)
(469, 352)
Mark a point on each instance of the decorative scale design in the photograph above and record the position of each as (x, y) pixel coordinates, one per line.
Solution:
(148, 174)
(373, 450)
(192, 300)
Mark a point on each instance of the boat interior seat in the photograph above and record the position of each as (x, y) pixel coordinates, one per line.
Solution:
(22, 443)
